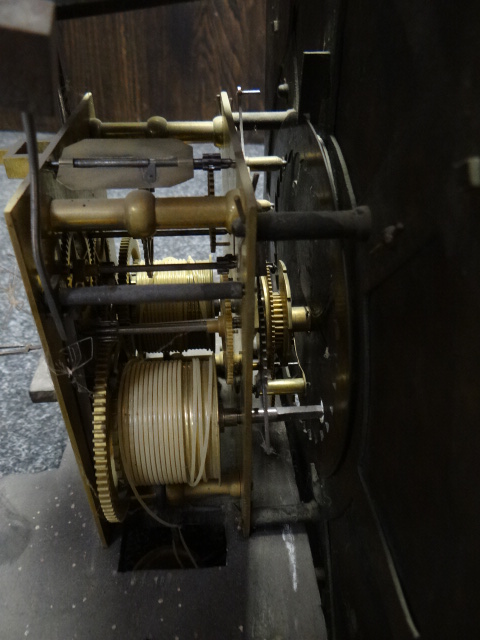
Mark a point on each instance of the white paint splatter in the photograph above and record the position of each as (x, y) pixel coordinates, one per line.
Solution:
(289, 540)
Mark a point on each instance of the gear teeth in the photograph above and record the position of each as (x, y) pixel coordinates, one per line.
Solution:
(66, 257)
(276, 316)
(227, 338)
(263, 359)
(228, 349)
(129, 250)
(113, 509)
(80, 247)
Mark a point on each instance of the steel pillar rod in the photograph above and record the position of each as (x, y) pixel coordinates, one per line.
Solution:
(140, 268)
(127, 294)
(183, 326)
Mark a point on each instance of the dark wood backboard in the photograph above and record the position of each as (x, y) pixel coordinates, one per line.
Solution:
(168, 60)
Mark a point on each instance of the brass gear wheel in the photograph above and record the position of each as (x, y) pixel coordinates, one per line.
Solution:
(277, 315)
(129, 253)
(227, 340)
(226, 332)
(75, 247)
(106, 455)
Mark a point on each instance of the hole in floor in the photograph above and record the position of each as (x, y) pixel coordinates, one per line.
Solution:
(149, 546)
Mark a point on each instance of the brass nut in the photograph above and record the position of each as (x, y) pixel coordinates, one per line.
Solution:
(157, 127)
(301, 319)
(140, 213)
(95, 128)
(218, 128)
(232, 210)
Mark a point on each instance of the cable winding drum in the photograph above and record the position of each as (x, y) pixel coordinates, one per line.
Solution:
(168, 421)
(175, 311)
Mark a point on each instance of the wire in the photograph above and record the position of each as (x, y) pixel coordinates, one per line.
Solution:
(31, 138)
(151, 513)
(174, 549)
(168, 427)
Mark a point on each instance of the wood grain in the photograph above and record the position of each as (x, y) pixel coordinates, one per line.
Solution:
(170, 61)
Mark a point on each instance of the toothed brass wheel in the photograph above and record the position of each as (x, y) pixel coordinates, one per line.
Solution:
(227, 340)
(129, 253)
(111, 488)
(72, 251)
(277, 315)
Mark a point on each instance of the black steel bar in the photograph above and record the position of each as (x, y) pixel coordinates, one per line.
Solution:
(118, 162)
(162, 233)
(183, 326)
(140, 268)
(212, 162)
(262, 120)
(71, 9)
(189, 232)
(127, 294)
(310, 225)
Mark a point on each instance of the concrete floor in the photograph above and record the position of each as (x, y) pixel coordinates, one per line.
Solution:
(32, 437)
